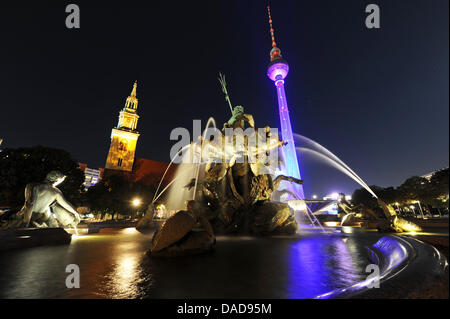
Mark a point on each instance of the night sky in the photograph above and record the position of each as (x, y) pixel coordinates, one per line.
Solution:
(378, 99)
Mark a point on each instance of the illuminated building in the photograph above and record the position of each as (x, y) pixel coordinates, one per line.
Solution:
(124, 136)
(429, 175)
(277, 71)
(121, 159)
(336, 196)
(91, 176)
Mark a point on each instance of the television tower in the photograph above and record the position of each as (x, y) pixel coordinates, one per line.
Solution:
(277, 71)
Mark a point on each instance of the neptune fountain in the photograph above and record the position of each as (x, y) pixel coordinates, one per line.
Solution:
(231, 196)
(228, 203)
(232, 187)
(233, 180)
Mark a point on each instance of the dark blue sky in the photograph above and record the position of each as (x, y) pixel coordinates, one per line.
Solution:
(376, 98)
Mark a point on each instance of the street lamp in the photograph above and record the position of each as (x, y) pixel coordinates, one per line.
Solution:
(314, 196)
(136, 203)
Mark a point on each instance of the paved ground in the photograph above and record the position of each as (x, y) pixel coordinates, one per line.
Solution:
(439, 238)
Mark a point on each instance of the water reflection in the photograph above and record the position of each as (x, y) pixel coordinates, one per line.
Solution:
(121, 281)
(113, 264)
(319, 264)
(126, 274)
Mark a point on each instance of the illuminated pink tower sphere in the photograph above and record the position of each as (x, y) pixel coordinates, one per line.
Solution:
(277, 71)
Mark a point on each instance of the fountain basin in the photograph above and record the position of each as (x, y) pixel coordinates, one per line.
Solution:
(32, 237)
(114, 265)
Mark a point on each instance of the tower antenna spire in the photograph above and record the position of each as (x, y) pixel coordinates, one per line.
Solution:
(272, 31)
(223, 84)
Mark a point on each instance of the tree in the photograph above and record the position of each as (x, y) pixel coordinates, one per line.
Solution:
(114, 194)
(388, 195)
(21, 166)
(439, 188)
(433, 192)
(415, 188)
(362, 196)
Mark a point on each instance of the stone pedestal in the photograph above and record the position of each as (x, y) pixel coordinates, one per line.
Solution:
(32, 237)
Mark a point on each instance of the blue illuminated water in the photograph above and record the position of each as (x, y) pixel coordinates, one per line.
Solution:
(113, 264)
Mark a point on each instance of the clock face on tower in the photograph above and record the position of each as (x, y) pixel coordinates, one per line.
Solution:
(123, 146)
(122, 150)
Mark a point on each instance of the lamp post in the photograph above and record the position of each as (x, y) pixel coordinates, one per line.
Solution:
(420, 209)
(413, 209)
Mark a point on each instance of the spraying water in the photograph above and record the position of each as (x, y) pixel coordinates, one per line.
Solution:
(165, 188)
(347, 217)
(336, 165)
(185, 172)
(167, 169)
(211, 121)
(178, 194)
(324, 154)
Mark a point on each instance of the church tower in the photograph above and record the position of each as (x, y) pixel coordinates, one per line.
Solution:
(124, 136)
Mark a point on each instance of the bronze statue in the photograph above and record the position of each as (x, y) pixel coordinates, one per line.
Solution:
(389, 221)
(187, 232)
(235, 195)
(45, 206)
(238, 118)
(394, 223)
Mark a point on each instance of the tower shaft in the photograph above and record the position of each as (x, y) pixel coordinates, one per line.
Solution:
(290, 154)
